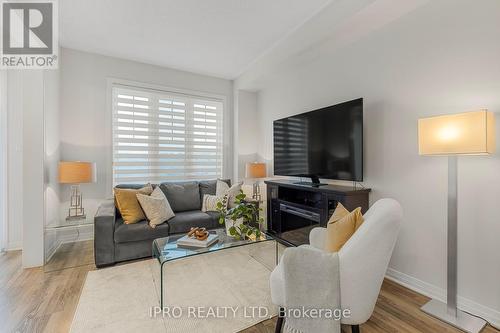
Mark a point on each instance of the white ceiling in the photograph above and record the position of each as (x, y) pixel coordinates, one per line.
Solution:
(215, 37)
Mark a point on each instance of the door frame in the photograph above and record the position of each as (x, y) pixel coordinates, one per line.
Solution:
(3, 160)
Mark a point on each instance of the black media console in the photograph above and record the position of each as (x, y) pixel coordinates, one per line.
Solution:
(294, 209)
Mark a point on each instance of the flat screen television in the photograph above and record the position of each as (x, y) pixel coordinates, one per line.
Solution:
(325, 143)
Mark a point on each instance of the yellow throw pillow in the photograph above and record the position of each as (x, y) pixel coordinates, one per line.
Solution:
(359, 220)
(339, 232)
(340, 212)
(128, 205)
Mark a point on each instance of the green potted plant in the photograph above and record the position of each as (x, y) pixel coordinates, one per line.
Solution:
(242, 221)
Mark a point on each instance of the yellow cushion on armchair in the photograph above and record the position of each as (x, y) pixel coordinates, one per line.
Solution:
(342, 227)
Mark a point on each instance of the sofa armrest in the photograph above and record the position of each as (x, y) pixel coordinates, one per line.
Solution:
(317, 237)
(104, 229)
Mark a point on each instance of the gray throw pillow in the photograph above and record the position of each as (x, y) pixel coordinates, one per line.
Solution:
(182, 196)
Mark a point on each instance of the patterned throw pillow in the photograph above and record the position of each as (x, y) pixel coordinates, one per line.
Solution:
(210, 202)
(156, 207)
(224, 189)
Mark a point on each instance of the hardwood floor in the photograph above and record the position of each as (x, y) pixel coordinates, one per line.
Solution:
(71, 255)
(397, 310)
(34, 300)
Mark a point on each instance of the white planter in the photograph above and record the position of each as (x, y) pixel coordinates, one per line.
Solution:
(229, 223)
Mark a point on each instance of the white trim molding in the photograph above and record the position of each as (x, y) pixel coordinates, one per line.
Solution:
(4, 193)
(490, 315)
(72, 235)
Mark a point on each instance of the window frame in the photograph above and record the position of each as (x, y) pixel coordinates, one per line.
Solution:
(128, 84)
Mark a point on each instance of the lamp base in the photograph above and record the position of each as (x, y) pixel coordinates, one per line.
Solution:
(256, 191)
(76, 210)
(462, 321)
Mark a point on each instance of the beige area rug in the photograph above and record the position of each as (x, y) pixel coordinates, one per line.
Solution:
(235, 281)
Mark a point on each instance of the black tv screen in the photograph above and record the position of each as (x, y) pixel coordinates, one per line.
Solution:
(327, 143)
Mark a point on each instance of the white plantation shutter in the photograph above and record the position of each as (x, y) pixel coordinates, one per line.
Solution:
(161, 136)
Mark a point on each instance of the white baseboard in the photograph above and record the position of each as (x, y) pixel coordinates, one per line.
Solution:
(490, 315)
(73, 237)
(68, 236)
(50, 251)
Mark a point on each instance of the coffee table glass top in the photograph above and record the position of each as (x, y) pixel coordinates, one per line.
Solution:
(165, 249)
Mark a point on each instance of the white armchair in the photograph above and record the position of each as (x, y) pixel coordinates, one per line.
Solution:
(363, 262)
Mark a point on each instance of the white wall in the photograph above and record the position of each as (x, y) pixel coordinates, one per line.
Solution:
(441, 57)
(33, 158)
(14, 161)
(247, 130)
(85, 115)
(51, 149)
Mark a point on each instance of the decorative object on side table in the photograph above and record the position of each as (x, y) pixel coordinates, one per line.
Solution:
(470, 133)
(256, 171)
(198, 237)
(242, 221)
(76, 173)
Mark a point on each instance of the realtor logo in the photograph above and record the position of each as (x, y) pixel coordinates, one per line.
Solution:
(29, 35)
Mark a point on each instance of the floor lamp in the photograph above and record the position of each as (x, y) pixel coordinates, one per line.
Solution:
(470, 133)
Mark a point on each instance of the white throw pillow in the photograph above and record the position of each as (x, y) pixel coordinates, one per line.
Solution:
(156, 207)
(224, 189)
(210, 202)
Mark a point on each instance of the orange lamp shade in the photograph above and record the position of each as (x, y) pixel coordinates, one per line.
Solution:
(255, 170)
(469, 133)
(76, 172)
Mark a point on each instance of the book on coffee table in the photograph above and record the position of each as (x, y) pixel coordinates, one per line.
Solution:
(193, 242)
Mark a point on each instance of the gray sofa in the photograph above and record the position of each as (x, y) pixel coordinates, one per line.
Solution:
(115, 241)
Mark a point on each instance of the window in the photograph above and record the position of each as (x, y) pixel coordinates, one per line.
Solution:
(160, 136)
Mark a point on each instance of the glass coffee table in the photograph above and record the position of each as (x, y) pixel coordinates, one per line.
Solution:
(165, 249)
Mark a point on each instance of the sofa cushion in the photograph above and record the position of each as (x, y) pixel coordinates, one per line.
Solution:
(210, 202)
(155, 207)
(132, 186)
(183, 221)
(129, 186)
(215, 217)
(210, 186)
(182, 196)
(128, 205)
(223, 188)
(138, 231)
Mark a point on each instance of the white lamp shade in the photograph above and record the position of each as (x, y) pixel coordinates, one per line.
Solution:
(470, 133)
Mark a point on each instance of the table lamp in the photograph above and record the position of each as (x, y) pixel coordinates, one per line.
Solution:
(255, 171)
(76, 173)
(470, 133)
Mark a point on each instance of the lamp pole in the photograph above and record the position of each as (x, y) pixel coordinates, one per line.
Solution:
(449, 312)
(451, 298)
